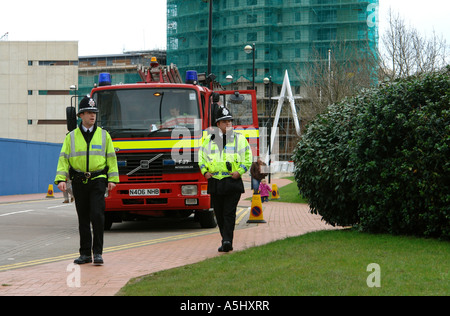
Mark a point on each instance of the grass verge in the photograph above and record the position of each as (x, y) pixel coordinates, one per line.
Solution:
(321, 263)
(288, 193)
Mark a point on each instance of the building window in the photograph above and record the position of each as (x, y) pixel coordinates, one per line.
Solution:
(54, 92)
(58, 63)
(280, 54)
(251, 18)
(30, 92)
(252, 37)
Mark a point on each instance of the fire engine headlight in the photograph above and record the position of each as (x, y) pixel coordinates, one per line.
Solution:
(190, 189)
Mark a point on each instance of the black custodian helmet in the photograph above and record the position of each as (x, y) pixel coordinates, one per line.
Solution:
(87, 104)
(223, 113)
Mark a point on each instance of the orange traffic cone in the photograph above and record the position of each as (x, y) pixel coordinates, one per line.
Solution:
(275, 192)
(256, 211)
(50, 193)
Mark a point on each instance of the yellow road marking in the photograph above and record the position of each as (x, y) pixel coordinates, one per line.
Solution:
(159, 240)
(36, 262)
(108, 249)
(240, 214)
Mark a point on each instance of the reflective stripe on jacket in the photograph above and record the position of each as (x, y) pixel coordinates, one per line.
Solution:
(237, 153)
(74, 154)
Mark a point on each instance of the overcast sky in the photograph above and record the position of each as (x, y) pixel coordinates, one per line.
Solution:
(111, 27)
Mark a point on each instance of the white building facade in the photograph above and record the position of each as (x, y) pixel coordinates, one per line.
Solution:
(35, 80)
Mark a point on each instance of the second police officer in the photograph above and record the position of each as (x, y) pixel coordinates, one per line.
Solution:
(224, 157)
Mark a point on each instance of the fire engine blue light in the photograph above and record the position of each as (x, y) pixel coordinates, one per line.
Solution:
(191, 76)
(104, 79)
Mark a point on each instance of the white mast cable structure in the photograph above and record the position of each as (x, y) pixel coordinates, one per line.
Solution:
(286, 92)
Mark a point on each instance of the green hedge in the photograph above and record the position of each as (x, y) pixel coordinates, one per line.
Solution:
(381, 160)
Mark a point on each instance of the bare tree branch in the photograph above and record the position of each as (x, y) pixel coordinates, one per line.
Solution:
(407, 52)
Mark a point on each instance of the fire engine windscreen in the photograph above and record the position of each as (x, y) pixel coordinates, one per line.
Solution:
(147, 110)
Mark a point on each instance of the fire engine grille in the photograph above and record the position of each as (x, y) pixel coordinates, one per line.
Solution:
(138, 169)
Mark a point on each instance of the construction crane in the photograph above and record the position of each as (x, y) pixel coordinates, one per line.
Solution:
(4, 37)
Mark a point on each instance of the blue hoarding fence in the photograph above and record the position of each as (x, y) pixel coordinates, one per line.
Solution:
(27, 167)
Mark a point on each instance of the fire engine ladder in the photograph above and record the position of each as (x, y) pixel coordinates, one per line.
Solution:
(161, 74)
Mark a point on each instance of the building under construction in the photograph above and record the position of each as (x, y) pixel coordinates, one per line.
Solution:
(122, 67)
(284, 35)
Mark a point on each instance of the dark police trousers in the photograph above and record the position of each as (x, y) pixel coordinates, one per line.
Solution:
(225, 211)
(90, 204)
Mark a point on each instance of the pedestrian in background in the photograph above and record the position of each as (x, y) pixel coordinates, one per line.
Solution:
(264, 190)
(68, 194)
(257, 174)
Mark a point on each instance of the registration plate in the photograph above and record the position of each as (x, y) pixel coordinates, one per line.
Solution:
(144, 192)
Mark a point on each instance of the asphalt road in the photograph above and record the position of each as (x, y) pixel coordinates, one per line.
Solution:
(35, 232)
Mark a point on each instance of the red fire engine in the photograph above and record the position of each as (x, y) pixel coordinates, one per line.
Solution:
(157, 127)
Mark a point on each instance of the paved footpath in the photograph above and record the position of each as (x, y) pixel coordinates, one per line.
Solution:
(59, 278)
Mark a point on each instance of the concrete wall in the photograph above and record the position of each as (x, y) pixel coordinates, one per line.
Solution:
(28, 71)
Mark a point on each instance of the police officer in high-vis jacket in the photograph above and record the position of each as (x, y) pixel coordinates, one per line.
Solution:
(88, 158)
(223, 158)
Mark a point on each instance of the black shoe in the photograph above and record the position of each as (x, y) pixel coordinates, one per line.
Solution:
(226, 246)
(98, 259)
(83, 259)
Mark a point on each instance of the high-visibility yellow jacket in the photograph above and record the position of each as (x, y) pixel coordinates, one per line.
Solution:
(237, 153)
(74, 153)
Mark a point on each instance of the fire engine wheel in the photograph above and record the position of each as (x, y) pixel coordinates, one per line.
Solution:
(108, 223)
(206, 218)
(111, 218)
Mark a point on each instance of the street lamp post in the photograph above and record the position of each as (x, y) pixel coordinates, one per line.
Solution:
(210, 37)
(229, 79)
(269, 82)
(251, 49)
